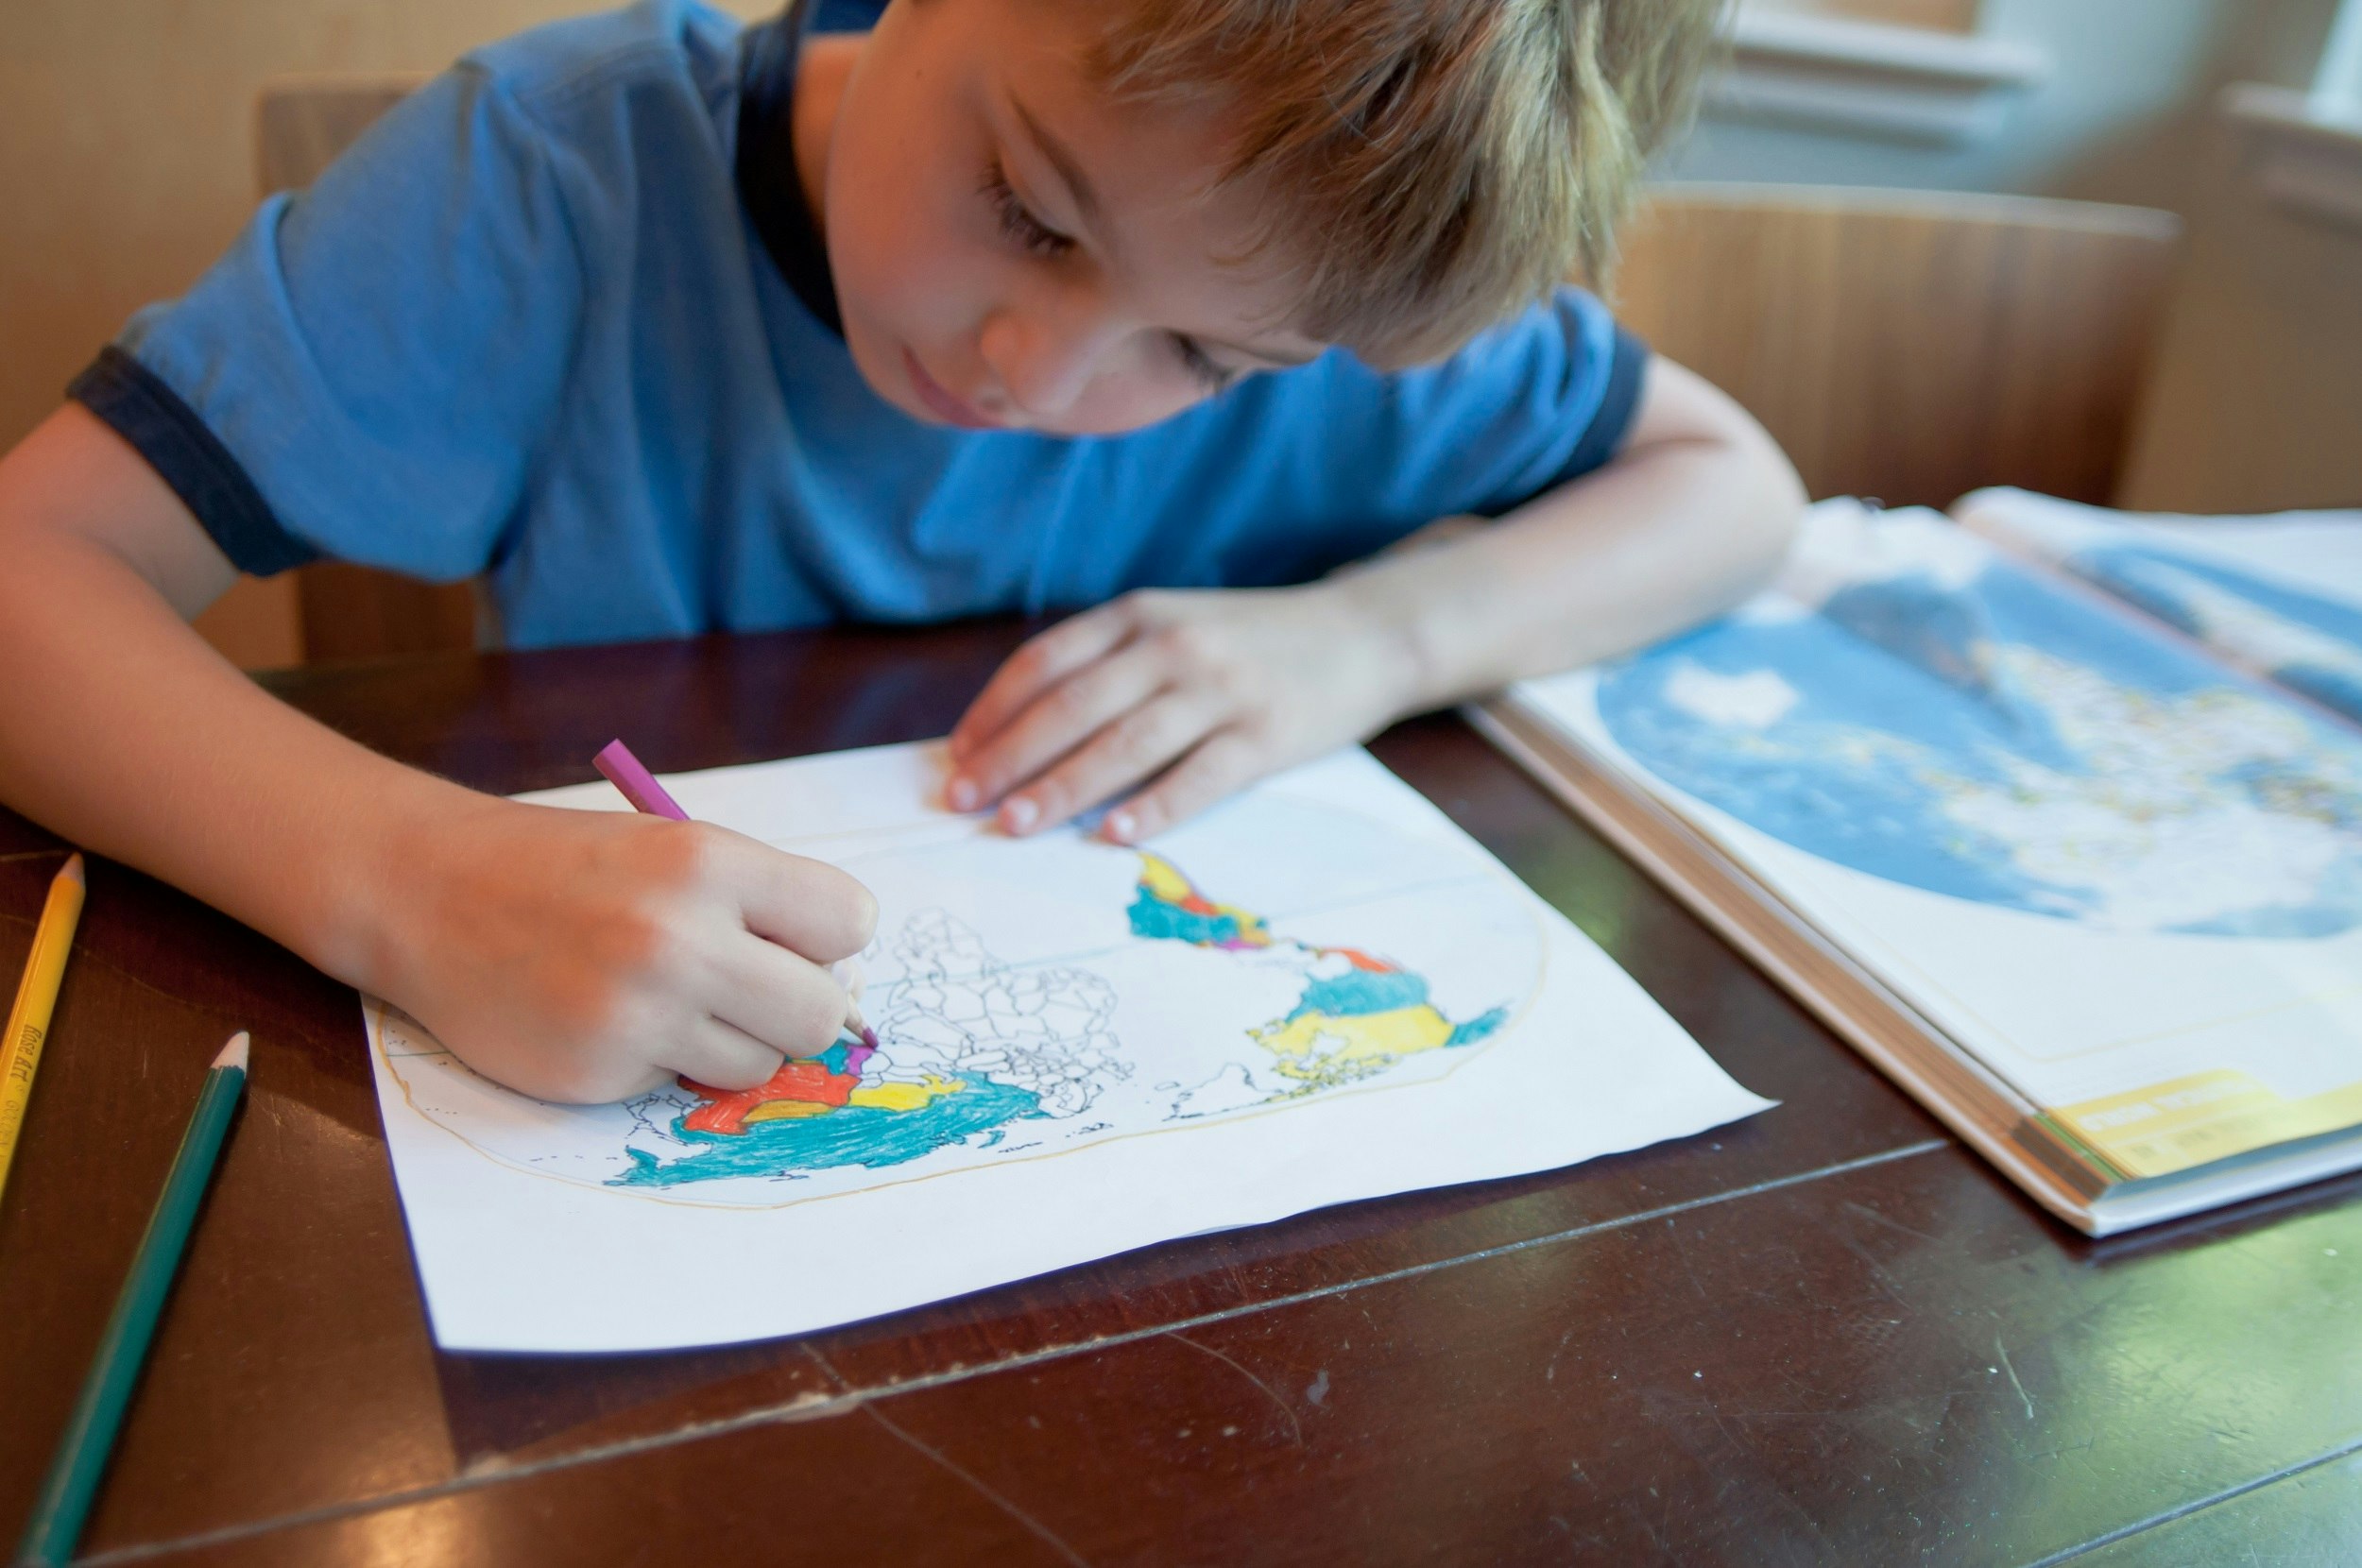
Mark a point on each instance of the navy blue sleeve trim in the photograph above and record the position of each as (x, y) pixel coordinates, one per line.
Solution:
(1618, 405)
(147, 412)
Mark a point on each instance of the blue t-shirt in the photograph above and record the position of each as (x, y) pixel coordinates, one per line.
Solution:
(528, 327)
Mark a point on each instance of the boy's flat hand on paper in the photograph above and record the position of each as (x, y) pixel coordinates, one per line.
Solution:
(589, 956)
(1168, 701)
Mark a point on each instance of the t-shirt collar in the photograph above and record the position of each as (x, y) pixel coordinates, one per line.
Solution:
(768, 184)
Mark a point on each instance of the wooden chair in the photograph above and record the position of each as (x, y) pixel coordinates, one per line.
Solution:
(1905, 345)
(1912, 346)
(350, 611)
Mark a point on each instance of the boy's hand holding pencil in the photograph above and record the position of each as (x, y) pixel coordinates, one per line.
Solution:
(582, 956)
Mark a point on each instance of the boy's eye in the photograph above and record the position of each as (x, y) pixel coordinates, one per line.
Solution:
(1031, 235)
(1215, 378)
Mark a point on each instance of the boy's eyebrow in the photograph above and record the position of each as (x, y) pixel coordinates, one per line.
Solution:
(1280, 357)
(1077, 183)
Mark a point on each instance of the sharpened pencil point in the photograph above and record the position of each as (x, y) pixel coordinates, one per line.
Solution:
(233, 1054)
(869, 1037)
(73, 871)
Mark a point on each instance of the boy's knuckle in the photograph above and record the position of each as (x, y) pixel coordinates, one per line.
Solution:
(706, 847)
(1182, 644)
(1065, 704)
(676, 856)
(1027, 661)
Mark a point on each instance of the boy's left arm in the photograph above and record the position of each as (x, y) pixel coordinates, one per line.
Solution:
(1194, 695)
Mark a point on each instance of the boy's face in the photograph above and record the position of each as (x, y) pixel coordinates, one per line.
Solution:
(1014, 249)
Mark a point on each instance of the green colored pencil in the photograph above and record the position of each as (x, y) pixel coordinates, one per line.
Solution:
(81, 1456)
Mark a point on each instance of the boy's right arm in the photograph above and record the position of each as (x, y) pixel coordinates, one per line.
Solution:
(574, 955)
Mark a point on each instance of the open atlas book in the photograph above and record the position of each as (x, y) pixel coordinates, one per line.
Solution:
(2054, 816)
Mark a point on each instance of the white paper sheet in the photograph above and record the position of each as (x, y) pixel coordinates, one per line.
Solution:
(1073, 1062)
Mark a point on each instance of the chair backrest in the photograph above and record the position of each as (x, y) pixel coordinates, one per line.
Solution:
(350, 611)
(1912, 346)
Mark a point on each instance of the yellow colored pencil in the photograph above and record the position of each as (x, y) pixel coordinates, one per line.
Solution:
(36, 997)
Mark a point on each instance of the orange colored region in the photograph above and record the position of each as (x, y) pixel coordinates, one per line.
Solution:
(1362, 960)
(728, 1112)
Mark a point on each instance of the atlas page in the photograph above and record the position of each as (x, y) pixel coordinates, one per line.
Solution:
(2279, 596)
(2125, 876)
(1320, 992)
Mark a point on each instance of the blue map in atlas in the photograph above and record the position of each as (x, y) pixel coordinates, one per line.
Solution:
(1963, 726)
(2302, 640)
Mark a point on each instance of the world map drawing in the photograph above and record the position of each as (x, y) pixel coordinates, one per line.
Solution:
(1962, 725)
(984, 1054)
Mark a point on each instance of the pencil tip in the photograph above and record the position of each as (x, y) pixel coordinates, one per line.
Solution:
(233, 1054)
(869, 1037)
(73, 871)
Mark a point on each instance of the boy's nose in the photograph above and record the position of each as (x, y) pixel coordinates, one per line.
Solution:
(1043, 365)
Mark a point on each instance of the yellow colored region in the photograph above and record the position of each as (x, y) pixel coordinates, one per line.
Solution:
(905, 1097)
(1323, 1046)
(782, 1110)
(1158, 875)
(2211, 1115)
(882, 1096)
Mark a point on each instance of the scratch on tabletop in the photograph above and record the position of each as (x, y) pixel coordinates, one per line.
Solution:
(1044, 1531)
(1877, 1272)
(1886, 1219)
(1674, 1229)
(1285, 1408)
(1550, 1373)
(2003, 1351)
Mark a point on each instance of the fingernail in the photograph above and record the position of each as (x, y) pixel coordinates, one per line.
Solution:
(1121, 827)
(1019, 814)
(962, 795)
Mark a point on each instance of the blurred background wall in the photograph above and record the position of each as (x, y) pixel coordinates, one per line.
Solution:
(2126, 101)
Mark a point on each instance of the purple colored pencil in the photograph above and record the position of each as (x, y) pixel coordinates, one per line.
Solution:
(639, 786)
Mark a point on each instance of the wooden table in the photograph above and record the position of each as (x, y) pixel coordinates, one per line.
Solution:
(1827, 1335)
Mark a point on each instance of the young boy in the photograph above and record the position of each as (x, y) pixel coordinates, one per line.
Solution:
(1177, 308)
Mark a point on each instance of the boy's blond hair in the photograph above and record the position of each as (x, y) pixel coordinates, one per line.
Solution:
(1431, 166)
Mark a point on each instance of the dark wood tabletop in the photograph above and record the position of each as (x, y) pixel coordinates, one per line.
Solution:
(1827, 1334)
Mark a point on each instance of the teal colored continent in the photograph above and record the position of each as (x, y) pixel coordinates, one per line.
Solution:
(1156, 920)
(1360, 991)
(1476, 1029)
(848, 1136)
